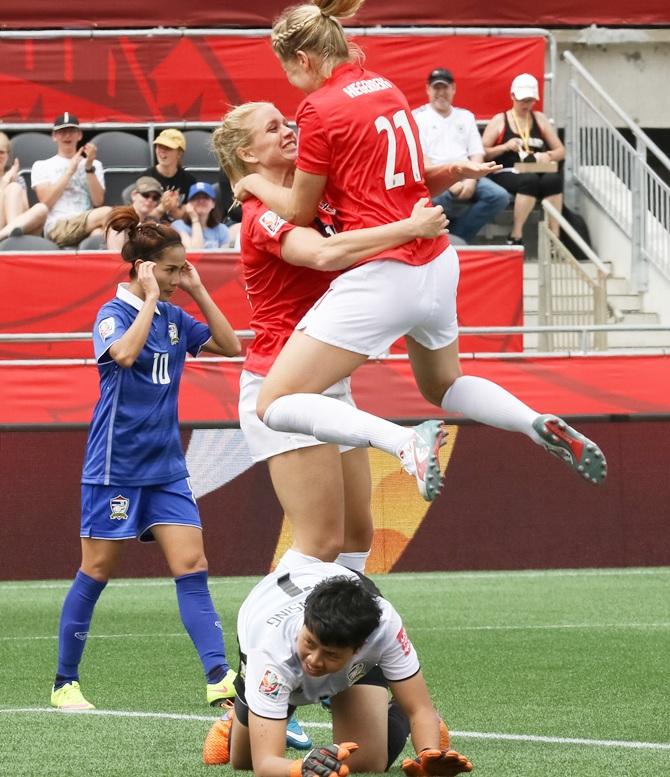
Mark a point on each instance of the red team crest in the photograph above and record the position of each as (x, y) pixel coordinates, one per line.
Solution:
(403, 641)
(271, 684)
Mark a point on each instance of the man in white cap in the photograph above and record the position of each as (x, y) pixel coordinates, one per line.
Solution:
(71, 184)
(524, 135)
(450, 134)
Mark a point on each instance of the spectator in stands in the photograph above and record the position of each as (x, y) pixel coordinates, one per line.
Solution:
(449, 134)
(72, 185)
(521, 134)
(16, 215)
(145, 199)
(170, 146)
(232, 212)
(201, 226)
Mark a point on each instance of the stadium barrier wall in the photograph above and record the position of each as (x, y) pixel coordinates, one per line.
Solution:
(151, 79)
(62, 292)
(506, 505)
(260, 13)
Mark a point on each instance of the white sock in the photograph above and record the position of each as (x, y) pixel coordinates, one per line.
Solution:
(353, 560)
(292, 559)
(331, 420)
(487, 402)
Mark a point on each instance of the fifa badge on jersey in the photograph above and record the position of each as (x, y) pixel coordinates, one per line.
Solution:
(119, 507)
(403, 641)
(356, 672)
(271, 222)
(271, 684)
(173, 332)
(106, 327)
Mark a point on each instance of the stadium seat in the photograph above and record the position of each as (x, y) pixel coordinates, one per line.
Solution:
(124, 156)
(31, 146)
(198, 155)
(93, 243)
(28, 147)
(198, 152)
(28, 243)
(125, 194)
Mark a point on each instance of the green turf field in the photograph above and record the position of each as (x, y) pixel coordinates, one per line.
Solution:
(539, 674)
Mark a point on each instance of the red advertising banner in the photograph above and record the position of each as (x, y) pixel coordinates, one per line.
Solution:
(590, 385)
(63, 292)
(260, 13)
(165, 79)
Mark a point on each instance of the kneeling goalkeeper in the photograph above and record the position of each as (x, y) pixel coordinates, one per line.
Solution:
(312, 630)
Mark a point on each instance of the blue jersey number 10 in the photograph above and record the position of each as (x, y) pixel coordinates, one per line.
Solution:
(160, 374)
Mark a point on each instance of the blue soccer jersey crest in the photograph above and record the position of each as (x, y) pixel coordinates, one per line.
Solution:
(134, 435)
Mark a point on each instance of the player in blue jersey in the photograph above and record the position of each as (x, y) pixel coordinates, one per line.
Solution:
(135, 481)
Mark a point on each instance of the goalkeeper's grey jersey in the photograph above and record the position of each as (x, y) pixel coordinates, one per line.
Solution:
(267, 629)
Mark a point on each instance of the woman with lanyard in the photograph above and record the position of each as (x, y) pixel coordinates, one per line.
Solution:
(359, 145)
(135, 481)
(524, 135)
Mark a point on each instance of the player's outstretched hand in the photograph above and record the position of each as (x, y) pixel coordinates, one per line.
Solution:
(324, 761)
(476, 170)
(436, 763)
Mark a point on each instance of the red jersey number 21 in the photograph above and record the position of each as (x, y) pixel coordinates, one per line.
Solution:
(393, 178)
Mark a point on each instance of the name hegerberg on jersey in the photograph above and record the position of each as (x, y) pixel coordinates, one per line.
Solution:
(367, 86)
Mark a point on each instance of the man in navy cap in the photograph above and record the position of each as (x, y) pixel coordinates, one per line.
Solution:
(71, 184)
(201, 226)
(450, 134)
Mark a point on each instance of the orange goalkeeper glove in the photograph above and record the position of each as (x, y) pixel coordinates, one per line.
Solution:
(324, 761)
(436, 763)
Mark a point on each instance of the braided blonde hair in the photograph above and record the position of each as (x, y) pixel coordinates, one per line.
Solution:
(314, 28)
(235, 132)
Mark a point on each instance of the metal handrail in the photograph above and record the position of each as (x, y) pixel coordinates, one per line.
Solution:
(56, 337)
(575, 236)
(392, 357)
(632, 126)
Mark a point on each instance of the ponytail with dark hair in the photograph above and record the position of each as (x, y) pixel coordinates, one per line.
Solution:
(146, 240)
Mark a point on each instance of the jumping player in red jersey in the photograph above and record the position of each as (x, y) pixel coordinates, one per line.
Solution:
(359, 147)
(281, 264)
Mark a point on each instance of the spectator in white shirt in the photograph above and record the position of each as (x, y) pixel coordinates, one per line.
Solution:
(72, 185)
(450, 134)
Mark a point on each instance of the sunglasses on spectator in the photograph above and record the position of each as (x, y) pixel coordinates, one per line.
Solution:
(151, 196)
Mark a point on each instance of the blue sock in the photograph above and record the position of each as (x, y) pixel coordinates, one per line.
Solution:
(75, 619)
(202, 623)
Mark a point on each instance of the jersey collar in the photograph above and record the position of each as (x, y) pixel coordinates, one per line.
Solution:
(131, 299)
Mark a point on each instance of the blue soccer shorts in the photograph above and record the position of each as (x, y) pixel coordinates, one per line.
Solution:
(128, 512)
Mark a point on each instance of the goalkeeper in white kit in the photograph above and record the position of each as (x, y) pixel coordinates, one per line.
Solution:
(313, 630)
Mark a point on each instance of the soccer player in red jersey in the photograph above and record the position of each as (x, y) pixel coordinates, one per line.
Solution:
(359, 147)
(281, 264)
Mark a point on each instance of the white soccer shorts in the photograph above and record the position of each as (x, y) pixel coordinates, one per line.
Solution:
(368, 308)
(264, 442)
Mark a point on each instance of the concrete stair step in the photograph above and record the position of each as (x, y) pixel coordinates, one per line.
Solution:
(616, 285)
(623, 302)
(651, 341)
(530, 318)
(530, 270)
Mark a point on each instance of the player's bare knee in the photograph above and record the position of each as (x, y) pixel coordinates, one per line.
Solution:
(98, 570)
(189, 565)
